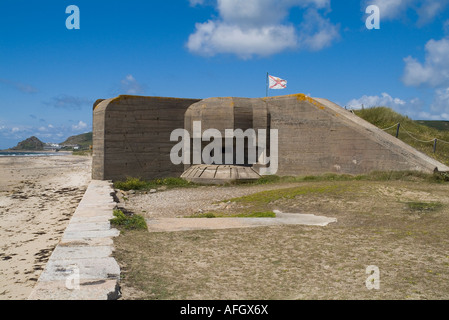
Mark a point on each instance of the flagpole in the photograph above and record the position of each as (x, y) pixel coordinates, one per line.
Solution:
(267, 84)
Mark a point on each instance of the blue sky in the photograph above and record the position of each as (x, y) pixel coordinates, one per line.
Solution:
(50, 76)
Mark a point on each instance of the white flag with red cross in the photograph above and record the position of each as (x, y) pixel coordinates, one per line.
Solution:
(277, 83)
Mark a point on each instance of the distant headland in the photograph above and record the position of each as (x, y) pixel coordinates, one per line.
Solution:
(74, 143)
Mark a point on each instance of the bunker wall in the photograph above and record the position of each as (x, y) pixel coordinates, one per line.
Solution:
(132, 137)
(316, 138)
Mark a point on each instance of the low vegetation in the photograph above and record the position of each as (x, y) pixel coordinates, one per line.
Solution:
(264, 214)
(421, 207)
(439, 125)
(411, 131)
(128, 221)
(143, 185)
(132, 183)
(398, 225)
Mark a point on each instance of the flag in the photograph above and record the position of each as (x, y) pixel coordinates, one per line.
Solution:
(277, 83)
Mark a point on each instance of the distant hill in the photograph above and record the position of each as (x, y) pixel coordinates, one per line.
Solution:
(30, 144)
(439, 125)
(83, 140)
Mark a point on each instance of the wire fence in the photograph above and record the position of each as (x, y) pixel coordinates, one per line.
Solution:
(399, 127)
(393, 126)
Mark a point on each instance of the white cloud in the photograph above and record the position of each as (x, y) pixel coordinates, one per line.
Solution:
(390, 9)
(317, 32)
(426, 10)
(439, 110)
(262, 12)
(434, 71)
(258, 27)
(429, 116)
(446, 27)
(49, 133)
(130, 86)
(14, 131)
(441, 101)
(196, 2)
(80, 126)
(384, 100)
(212, 37)
(430, 9)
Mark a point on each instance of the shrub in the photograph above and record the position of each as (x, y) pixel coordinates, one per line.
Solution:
(128, 222)
(130, 184)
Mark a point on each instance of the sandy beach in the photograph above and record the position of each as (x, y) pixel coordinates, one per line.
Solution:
(38, 196)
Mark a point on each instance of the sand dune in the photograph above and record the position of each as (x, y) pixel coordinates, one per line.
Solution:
(38, 196)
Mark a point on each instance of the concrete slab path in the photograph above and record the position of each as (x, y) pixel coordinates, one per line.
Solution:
(187, 224)
(81, 266)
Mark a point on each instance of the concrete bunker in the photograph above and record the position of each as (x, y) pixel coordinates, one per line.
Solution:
(315, 136)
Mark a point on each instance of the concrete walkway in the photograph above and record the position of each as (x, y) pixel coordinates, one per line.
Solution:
(81, 266)
(187, 224)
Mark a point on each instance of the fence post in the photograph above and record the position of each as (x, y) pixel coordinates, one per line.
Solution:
(397, 131)
(435, 146)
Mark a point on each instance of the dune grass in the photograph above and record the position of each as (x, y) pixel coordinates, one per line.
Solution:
(133, 183)
(410, 131)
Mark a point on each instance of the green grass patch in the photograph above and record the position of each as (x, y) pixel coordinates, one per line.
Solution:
(128, 222)
(439, 125)
(138, 184)
(291, 179)
(266, 197)
(332, 177)
(417, 206)
(211, 215)
(372, 176)
(131, 184)
(401, 176)
(208, 215)
(264, 214)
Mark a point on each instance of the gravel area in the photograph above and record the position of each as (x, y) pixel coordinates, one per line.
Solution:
(183, 202)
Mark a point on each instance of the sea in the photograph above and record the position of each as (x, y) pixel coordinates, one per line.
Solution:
(30, 154)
